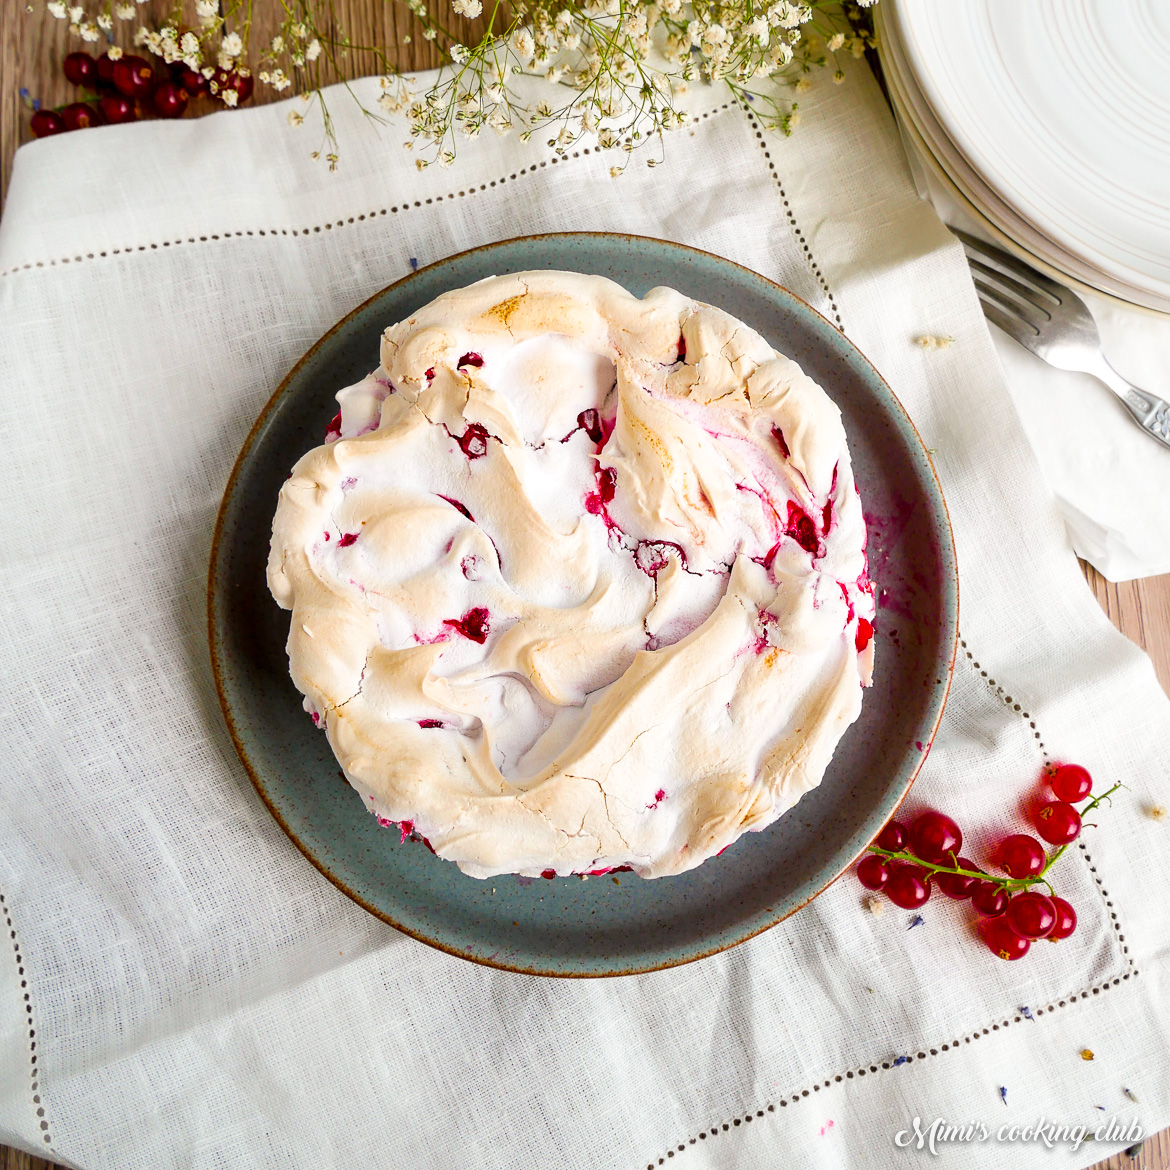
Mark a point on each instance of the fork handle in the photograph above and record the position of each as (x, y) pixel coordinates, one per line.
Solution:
(1149, 411)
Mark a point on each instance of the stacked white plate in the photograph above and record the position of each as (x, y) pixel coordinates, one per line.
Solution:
(1049, 120)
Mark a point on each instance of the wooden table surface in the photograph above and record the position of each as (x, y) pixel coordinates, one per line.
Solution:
(32, 45)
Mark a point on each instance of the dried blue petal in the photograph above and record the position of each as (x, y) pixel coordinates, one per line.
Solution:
(1003, 1093)
(900, 1060)
(918, 921)
(1130, 1095)
(1027, 1013)
(414, 263)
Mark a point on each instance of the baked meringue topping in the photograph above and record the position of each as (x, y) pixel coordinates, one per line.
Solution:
(578, 580)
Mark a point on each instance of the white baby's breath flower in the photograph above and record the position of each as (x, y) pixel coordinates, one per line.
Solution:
(88, 32)
(857, 47)
(299, 30)
(56, 8)
(105, 21)
(232, 45)
(523, 43)
(779, 54)
(469, 8)
(206, 12)
(124, 11)
(189, 43)
(229, 97)
(278, 43)
(758, 29)
(838, 77)
(298, 59)
(294, 118)
(313, 50)
(114, 53)
(458, 53)
(278, 81)
(76, 14)
(835, 42)
(614, 172)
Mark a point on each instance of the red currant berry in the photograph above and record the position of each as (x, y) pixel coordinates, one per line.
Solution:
(1066, 919)
(46, 122)
(238, 79)
(1058, 823)
(873, 871)
(244, 84)
(170, 100)
(117, 109)
(955, 885)
(893, 837)
(907, 887)
(1031, 915)
(1071, 782)
(988, 899)
(82, 115)
(192, 81)
(935, 837)
(134, 77)
(104, 68)
(1004, 941)
(1021, 856)
(81, 69)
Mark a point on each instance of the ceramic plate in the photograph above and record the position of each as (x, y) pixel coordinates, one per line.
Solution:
(1063, 110)
(615, 924)
(997, 219)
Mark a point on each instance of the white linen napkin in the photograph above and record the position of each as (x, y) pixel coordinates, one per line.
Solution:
(1111, 482)
(180, 987)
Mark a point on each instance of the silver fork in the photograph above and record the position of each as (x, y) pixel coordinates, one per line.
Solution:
(1054, 323)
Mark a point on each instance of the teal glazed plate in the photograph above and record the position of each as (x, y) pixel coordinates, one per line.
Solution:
(618, 924)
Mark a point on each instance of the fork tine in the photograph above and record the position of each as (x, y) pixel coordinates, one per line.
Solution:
(1012, 306)
(1022, 331)
(1006, 260)
(1023, 292)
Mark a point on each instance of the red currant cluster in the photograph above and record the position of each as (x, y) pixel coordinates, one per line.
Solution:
(125, 86)
(906, 863)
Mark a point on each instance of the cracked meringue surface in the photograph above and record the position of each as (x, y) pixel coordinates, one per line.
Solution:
(578, 580)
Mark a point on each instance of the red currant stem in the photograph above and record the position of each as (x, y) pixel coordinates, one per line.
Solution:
(1009, 884)
(934, 867)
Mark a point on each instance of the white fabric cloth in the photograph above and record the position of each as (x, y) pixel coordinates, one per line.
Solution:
(1111, 482)
(198, 995)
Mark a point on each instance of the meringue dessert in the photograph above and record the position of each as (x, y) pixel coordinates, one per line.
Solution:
(578, 580)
